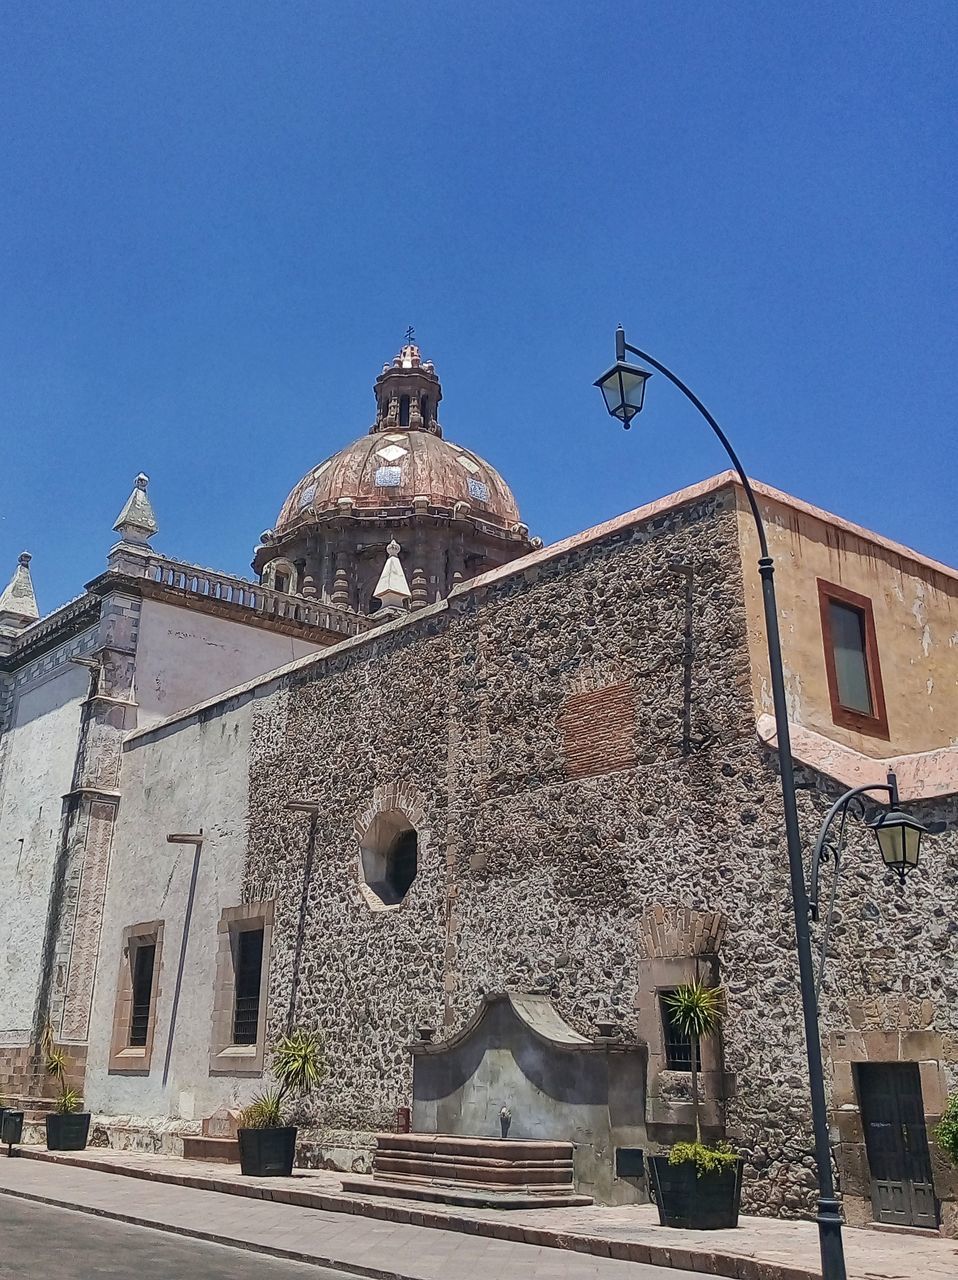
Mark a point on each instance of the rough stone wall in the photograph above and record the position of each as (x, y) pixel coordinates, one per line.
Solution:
(535, 869)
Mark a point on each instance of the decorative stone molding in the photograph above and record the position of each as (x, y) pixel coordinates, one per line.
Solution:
(681, 932)
(923, 775)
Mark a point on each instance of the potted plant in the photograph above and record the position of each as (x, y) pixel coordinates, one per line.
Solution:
(946, 1131)
(697, 1185)
(267, 1144)
(67, 1127)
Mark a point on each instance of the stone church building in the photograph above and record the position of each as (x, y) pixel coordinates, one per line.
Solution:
(470, 806)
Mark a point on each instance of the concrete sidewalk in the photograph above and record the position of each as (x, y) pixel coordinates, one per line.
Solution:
(760, 1249)
(378, 1249)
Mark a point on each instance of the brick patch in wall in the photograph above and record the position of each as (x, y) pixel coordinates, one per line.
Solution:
(598, 730)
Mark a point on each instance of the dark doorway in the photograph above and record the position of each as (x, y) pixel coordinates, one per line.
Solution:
(896, 1143)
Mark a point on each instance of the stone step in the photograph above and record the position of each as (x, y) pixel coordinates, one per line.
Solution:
(196, 1147)
(27, 1103)
(508, 1150)
(466, 1197)
(479, 1172)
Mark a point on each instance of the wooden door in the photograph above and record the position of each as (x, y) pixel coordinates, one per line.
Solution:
(897, 1144)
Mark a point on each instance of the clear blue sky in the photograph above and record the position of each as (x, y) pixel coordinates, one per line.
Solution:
(217, 219)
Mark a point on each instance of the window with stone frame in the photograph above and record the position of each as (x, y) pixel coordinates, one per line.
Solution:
(137, 992)
(241, 990)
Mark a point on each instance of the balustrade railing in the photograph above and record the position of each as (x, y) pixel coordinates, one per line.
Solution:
(265, 601)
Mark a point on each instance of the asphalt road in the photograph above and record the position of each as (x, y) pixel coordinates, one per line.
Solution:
(39, 1242)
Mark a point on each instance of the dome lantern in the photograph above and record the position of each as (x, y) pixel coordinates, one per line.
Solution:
(408, 392)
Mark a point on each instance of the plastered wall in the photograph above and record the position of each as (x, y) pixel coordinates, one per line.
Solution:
(916, 623)
(38, 758)
(184, 656)
(181, 782)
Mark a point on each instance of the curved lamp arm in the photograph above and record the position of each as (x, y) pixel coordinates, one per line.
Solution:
(621, 347)
(829, 848)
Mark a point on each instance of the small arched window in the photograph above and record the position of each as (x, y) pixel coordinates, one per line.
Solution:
(404, 411)
(424, 410)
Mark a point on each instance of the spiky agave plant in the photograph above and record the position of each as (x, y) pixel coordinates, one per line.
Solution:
(298, 1066)
(55, 1060)
(697, 1011)
(68, 1102)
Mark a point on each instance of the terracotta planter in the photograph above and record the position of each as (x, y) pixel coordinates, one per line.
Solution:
(705, 1202)
(267, 1153)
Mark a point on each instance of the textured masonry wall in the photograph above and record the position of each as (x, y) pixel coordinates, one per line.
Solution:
(547, 834)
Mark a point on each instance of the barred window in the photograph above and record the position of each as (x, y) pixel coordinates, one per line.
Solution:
(144, 960)
(249, 973)
(678, 1045)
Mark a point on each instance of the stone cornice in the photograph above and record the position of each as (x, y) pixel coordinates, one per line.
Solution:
(64, 623)
(923, 775)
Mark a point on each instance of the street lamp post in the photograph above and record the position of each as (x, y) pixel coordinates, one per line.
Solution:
(624, 388)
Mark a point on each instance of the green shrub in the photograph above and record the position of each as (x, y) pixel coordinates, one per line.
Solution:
(946, 1131)
(706, 1159)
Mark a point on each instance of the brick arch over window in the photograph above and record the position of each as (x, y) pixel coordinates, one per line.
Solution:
(680, 931)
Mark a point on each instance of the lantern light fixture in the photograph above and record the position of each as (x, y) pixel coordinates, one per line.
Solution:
(899, 839)
(623, 389)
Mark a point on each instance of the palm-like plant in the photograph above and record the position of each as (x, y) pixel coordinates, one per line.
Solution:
(298, 1066)
(697, 1011)
(55, 1061)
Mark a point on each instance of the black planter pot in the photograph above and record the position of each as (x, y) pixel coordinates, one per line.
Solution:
(69, 1132)
(267, 1153)
(703, 1203)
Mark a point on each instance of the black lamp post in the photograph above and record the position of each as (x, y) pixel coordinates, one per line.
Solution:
(624, 389)
(899, 843)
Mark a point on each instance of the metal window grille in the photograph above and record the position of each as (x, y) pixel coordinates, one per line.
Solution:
(144, 958)
(249, 971)
(678, 1046)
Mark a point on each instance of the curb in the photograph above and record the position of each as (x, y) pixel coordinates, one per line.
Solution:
(731, 1266)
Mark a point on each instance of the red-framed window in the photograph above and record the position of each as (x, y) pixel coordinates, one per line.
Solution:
(851, 660)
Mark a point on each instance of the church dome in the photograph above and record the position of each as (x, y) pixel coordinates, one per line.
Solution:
(391, 469)
(403, 462)
(450, 514)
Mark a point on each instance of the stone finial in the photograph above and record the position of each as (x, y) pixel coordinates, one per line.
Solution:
(18, 604)
(392, 589)
(136, 523)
